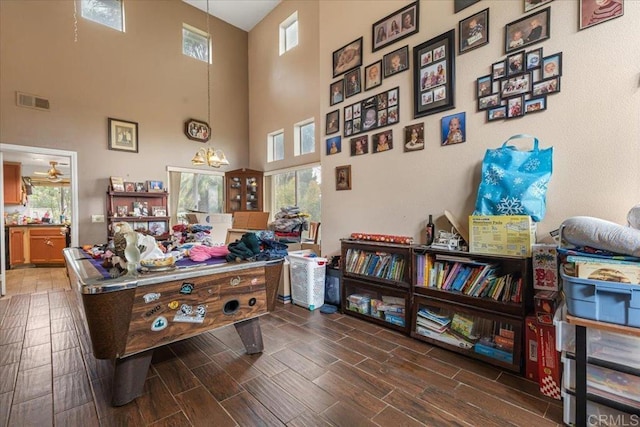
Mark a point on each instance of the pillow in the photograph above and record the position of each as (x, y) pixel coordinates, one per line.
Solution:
(633, 217)
(600, 234)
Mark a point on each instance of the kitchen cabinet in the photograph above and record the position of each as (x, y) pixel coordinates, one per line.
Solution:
(16, 246)
(46, 245)
(12, 183)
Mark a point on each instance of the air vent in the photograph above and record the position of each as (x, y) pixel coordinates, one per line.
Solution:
(32, 101)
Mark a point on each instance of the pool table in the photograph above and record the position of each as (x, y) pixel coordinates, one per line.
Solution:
(128, 316)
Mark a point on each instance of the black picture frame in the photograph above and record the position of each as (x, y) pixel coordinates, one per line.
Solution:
(414, 137)
(352, 83)
(515, 107)
(533, 59)
(497, 113)
(336, 92)
(359, 145)
(535, 105)
(499, 69)
(123, 135)
(347, 57)
(370, 80)
(459, 5)
(531, 29)
(545, 87)
(393, 28)
(332, 123)
(484, 86)
(396, 62)
(382, 141)
(516, 85)
(554, 61)
(529, 5)
(471, 37)
(488, 102)
(442, 91)
(376, 111)
(197, 130)
(515, 63)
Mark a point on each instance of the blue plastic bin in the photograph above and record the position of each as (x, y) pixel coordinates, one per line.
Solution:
(603, 301)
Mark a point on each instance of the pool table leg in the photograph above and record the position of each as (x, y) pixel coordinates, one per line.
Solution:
(250, 334)
(128, 379)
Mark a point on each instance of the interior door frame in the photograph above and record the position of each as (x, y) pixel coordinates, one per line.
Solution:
(73, 168)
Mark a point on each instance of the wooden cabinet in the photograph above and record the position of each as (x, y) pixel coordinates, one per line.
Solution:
(146, 212)
(472, 304)
(46, 245)
(12, 183)
(376, 282)
(16, 246)
(244, 190)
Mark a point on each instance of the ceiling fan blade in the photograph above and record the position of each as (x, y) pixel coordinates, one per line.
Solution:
(41, 173)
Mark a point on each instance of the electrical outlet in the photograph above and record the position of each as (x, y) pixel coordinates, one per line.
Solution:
(97, 218)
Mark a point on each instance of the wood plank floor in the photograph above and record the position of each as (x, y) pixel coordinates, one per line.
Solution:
(315, 370)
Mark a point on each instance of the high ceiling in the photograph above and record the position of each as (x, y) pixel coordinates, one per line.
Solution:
(244, 14)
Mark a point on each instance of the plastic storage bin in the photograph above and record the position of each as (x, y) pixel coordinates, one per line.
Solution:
(307, 280)
(597, 415)
(603, 301)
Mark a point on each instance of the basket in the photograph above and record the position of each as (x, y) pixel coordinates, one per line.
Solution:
(307, 280)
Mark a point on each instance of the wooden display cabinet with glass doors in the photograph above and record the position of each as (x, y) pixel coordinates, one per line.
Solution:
(244, 190)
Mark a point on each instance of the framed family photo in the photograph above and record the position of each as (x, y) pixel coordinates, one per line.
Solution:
(396, 26)
(352, 83)
(347, 57)
(373, 75)
(414, 137)
(123, 135)
(453, 129)
(473, 32)
(343, 177)
(197, 130)
(526, 31)
(336, 92)
(593, 12)
(434, 81)
(333, 122)
(334, 145)
(396, 61)
(360, 145)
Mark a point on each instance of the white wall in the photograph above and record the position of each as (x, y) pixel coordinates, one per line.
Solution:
(593, 124)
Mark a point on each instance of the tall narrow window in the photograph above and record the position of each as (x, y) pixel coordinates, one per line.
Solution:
(305, 138)
(106, 12)
(196, 43)
(275, 146)
(289, 33)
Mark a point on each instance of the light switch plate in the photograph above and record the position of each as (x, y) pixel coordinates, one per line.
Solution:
(97, 218)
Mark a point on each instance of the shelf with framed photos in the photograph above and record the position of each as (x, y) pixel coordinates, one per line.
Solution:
(472, 304)
(376, 282)
(244, 190)
(145, 211)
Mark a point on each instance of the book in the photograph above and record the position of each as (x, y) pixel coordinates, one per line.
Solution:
(431, 325)
(434, 315)
(609, 270)
(463, 326)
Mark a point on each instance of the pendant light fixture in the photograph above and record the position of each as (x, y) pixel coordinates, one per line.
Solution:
(209, 156)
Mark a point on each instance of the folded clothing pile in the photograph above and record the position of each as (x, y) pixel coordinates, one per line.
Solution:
(290, 219)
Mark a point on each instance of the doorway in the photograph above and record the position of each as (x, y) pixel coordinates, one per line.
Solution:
(10, 152)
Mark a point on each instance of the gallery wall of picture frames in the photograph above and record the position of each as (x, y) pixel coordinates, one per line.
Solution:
(371, 113)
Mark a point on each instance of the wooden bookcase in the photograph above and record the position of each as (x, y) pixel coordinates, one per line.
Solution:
(244, 190)
(462, 320)
(373, 275)
(143, 220)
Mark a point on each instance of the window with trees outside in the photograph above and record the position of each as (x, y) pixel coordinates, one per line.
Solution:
(50, 200)
(105, 12)
(199, 192)
(300, 188)
(195, 43)
(305, 138)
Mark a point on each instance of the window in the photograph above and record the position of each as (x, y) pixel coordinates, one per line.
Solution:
(50, 200)
(105, 12)
(300, 188)
(275, 146)
(200, 192)
(195, 43)
(289, 33)
(305, 138)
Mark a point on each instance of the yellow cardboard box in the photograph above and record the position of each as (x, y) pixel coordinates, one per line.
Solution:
(510, 235)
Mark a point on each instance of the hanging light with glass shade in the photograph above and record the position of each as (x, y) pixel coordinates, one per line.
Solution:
(200, 131)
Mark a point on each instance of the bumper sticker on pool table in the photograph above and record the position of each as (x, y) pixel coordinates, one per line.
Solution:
(159, 324)
(187, 314)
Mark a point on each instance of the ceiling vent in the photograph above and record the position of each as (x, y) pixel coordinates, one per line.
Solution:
(32, 101)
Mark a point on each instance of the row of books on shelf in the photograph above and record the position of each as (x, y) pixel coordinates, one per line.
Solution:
(472, 278)
(467, 332)
(375, 264)
(389, 308)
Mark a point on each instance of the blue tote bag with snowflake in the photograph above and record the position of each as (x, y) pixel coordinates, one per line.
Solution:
(514, 182)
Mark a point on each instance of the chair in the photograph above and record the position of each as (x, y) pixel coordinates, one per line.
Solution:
(314, 233)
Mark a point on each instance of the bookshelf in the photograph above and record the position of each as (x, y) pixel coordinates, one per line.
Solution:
(145, 211)
(376, 284)
(472, 304)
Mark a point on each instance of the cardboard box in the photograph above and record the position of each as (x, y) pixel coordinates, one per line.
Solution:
(549, 369)
(511, 235)
(250, 220)
(531, 348)
(544, 258)
(546, 303)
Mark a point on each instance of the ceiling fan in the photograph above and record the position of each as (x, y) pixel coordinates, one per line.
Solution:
(53, 174)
